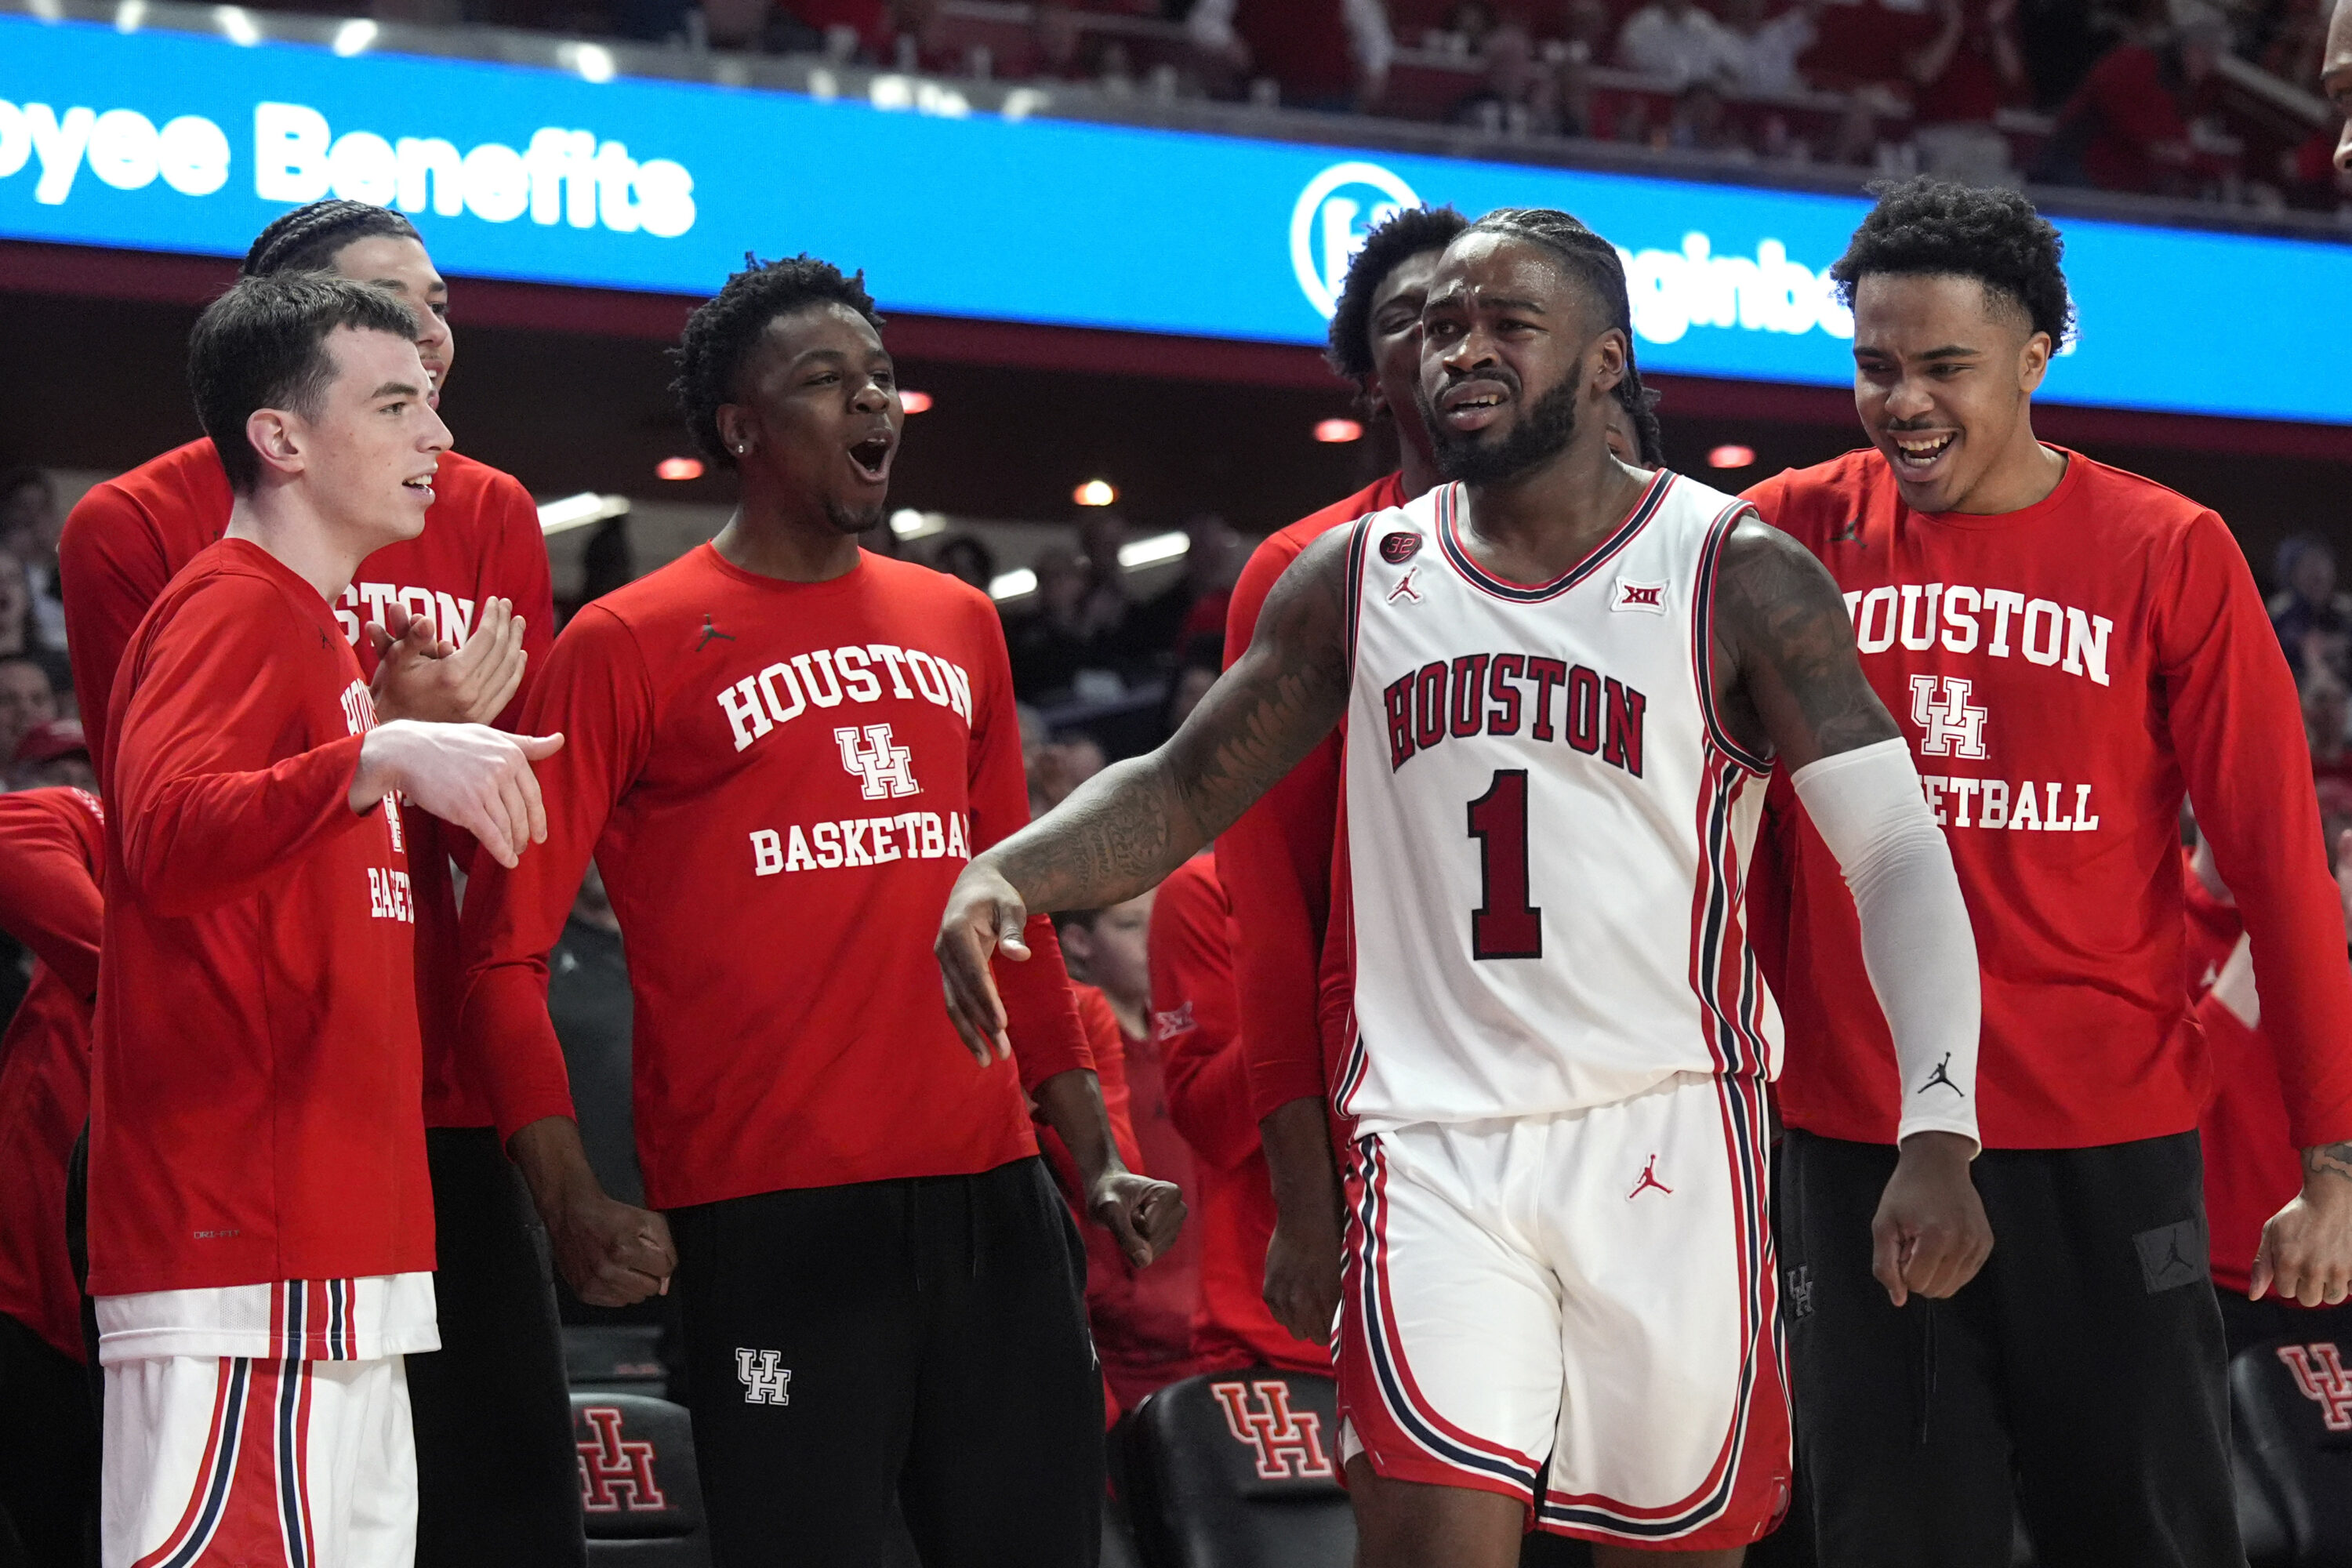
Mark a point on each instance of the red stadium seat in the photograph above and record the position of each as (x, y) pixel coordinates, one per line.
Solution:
(1239, 1470)
(638, 1486)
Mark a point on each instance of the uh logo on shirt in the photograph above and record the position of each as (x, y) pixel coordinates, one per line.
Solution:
(1951, 723)
(872, 755)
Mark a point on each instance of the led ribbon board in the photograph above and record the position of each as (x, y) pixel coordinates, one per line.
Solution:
(182, 143)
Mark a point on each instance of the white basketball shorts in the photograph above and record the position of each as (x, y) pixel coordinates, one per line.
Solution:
(1577, 1310)
(234, 1460)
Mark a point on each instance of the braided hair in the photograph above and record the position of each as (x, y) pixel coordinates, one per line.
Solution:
(307, 239)
(1595, 263)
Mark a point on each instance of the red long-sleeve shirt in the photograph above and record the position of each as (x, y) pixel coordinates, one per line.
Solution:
(257, 1076)
(1276, 862)
(1199, 1032)
(780, 782)
(2063, 673)
(130, 535)
(52, 843)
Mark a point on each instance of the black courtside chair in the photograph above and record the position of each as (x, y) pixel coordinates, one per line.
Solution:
(1239, 1470)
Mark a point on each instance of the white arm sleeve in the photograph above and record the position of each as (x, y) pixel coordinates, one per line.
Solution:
(1916, 943)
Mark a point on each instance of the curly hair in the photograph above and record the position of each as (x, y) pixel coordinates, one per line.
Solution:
(723, 329)
(1392, 242)
(1930, 228)
(307, 239)
(1595, 262)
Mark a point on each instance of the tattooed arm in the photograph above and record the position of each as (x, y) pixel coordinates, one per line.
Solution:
(1788, 682)
(1132, 824)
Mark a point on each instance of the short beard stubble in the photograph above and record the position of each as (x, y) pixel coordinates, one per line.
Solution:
(1540, 435)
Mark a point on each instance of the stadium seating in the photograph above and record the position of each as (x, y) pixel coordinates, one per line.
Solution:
(615, 1358)
(638, 1486)
(1239, 1470)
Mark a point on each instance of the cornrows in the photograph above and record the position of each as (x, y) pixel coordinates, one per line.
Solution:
(1596, 261)
(305, 239)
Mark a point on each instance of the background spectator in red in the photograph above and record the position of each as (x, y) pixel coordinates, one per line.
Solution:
(1517, 95)
(26, 699)
(20, 628)
(1143, 1320)
(2313, 620)
(1197, 1022)
(2326, 713)
(1679, 41)
(30, 521)
(1963, 76)
(1325, 54)
(2130, 125)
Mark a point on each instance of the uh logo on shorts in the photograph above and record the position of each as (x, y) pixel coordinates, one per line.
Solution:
(1289, 1443)
(764, 1381)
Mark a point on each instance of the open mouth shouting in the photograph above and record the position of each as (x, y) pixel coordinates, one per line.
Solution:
(869, 456)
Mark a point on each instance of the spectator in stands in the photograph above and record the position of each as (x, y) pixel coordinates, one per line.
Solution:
(1143, 1325)
(2327, 717)
(1325, 54)
(1194, 605)
(1516, 94)
(20, 627)
(1701, 123)
(30, 521)
(2314, 622)
(1768, 48)
(1961, 79)
(26, 699)
(1054, 640)
(53, 754)
(966, 559)
(1677, 40)
(2130, 126)
(1468, 24)
(1063, 764)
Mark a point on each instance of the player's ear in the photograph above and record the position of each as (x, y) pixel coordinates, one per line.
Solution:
(1607, 359)
(2034, 363)
(736, 431)
(274, 435)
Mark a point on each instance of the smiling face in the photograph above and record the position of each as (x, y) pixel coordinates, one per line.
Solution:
(365, 454)
(398, 265)
(816, 415)
(1511, 347)
(1945, 370)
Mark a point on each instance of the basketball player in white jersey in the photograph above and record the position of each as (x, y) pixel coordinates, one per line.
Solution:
(1564, 679)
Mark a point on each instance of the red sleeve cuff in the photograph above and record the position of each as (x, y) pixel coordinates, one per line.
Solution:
(1041, 1017)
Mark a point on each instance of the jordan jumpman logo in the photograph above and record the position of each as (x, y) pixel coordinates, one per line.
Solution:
(709, 631)
(1940, 1075)
(1649, 1180)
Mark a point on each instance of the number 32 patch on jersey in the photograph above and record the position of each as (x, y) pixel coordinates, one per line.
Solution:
(1400, 547)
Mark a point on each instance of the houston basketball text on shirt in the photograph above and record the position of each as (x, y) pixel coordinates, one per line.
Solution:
(451, 617)
(1998, 622)
(1513, 694)
(860, 841)
(827, 678)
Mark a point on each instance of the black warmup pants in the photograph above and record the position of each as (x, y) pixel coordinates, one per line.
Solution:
(2075, 1383)
(497, 1478)
(925, 1337)
(48, 1455)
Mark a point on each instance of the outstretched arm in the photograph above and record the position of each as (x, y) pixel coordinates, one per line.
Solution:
(1782, 623)
(1132, 824)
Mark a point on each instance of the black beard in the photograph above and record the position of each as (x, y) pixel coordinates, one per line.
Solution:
(853, 519)
(1538, 436)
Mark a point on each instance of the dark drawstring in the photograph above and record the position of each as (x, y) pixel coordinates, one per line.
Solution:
(1926, 1365)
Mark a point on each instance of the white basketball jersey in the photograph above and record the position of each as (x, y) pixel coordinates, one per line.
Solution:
(1548, 829)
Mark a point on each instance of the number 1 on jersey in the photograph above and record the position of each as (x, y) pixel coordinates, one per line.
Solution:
(1503, 925)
